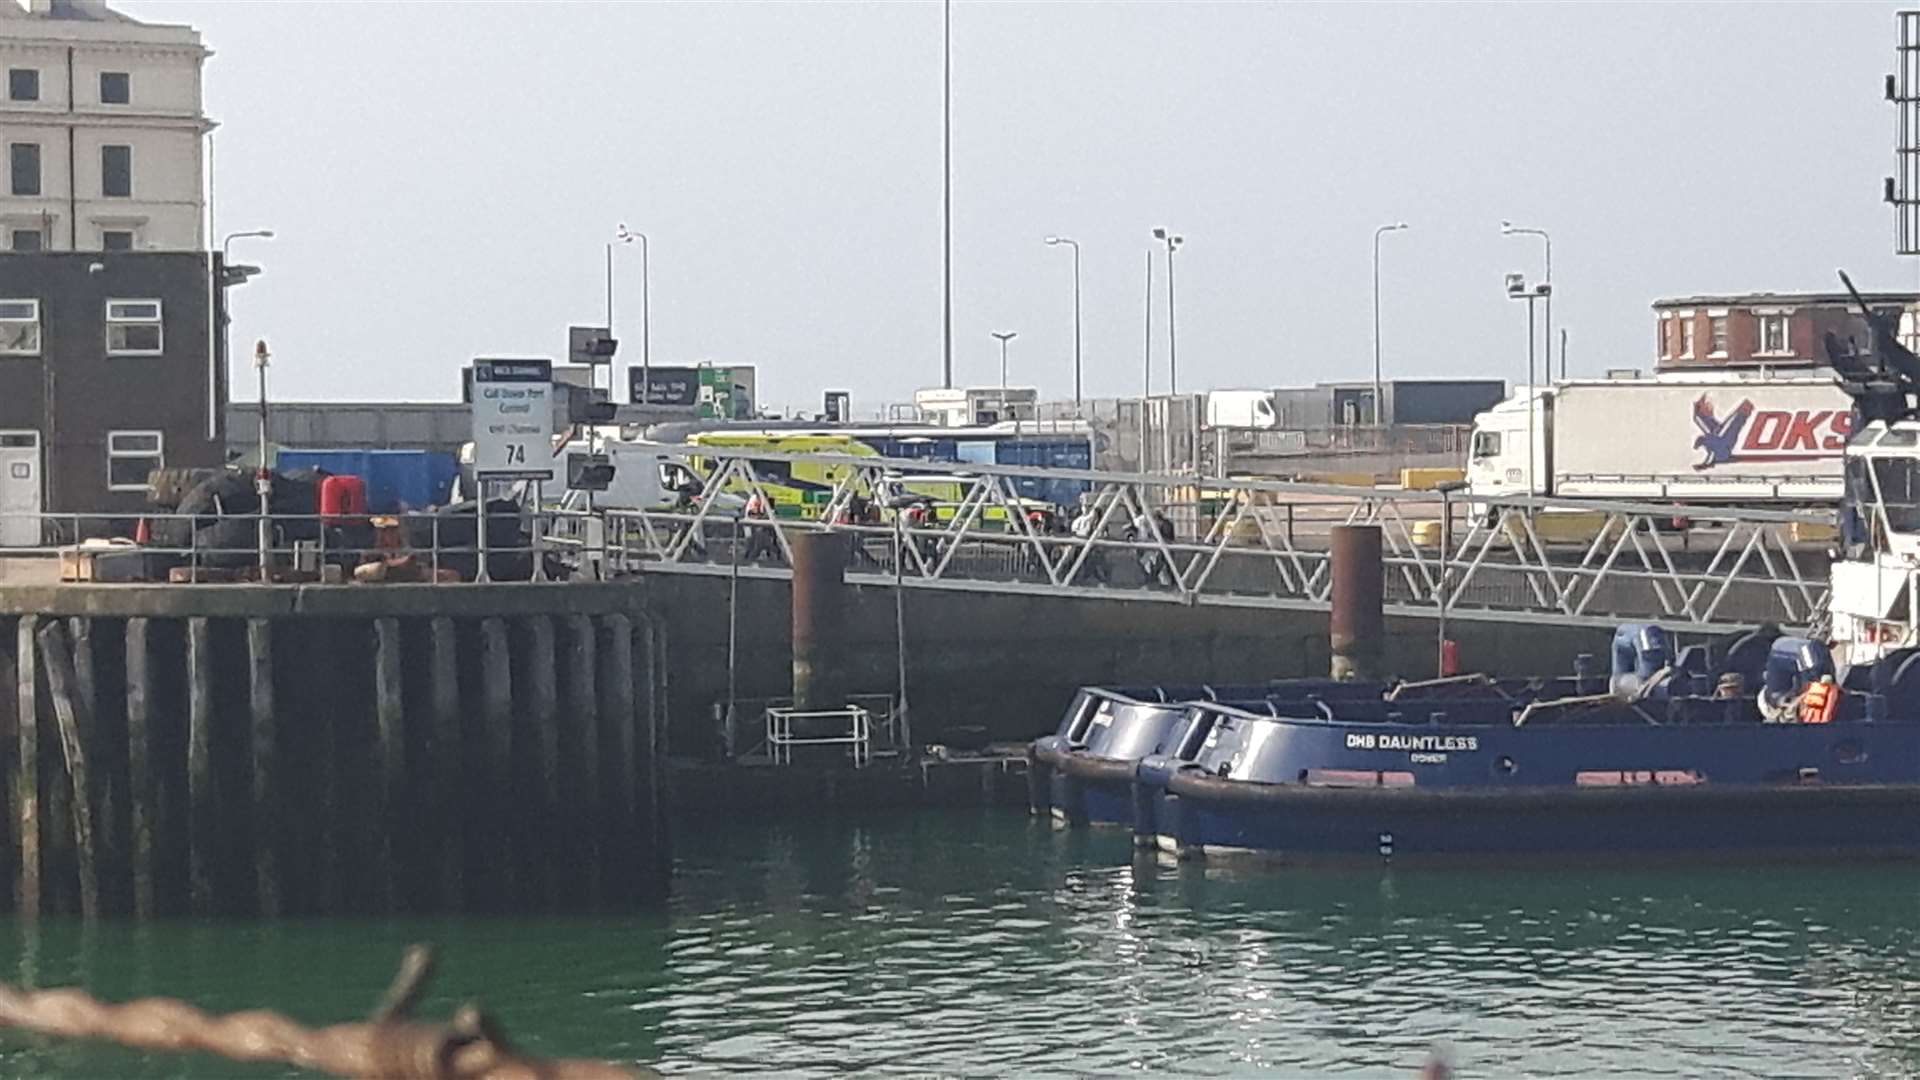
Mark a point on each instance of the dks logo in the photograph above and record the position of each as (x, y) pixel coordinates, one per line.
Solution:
(1753, 434)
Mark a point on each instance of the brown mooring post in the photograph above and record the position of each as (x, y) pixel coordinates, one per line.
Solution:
(27, 779)
(391, 749)
(69, 708)
(1358, 625)
(202, 811)
(141, 807)
(819, 591)
(446, 779)
(266, 768)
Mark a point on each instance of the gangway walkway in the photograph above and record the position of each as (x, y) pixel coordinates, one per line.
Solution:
(1237, 542)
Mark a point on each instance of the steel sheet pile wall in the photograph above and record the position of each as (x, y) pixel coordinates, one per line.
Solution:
(309, 765)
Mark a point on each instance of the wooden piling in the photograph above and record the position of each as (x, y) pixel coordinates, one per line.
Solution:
(102, 801)
(544, 837)
(69, 709)
(446, 782)
(581, 759)
(649, 840)
(496, 693)
(616, 743)
(202, 797)
(324, 670)
(391, 739)
(27, 779)
(266, 768)
(140, 763)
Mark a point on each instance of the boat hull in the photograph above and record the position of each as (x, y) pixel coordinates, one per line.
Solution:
(1200, 815)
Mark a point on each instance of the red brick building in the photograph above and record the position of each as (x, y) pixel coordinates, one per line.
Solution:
(1763, 329)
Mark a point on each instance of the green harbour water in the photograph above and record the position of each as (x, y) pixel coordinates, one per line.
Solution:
(981, 943)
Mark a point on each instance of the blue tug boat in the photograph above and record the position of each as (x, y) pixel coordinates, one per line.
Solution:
(1760, 744)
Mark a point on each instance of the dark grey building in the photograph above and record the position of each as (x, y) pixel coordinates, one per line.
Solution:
(1408, 401)
(108, 370)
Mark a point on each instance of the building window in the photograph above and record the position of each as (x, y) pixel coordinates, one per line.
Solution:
(24, 158)
(1773, 335)
(114, 89)
(19, 327)
(1686, 338)
(1717, 335)
(116, 240)
(26, 240)
(133, 328)
(116, 172)
(23, 84)
(132, 456)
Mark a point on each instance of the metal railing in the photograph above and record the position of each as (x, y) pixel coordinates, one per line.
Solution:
(1150, 537)
(1258, 543)
(425, 546)
(851, 727)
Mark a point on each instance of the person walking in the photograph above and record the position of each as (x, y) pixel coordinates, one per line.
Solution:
(1085, 524)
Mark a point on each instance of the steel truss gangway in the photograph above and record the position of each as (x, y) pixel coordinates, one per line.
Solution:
(1241, 542)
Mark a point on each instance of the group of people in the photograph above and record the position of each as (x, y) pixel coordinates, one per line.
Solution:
(1091, 521)
(1142, 528)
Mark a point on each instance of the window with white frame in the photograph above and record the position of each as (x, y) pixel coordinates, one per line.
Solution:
(133, 328)
(1772, 333)
(19, 327)
(1686, 337)
(1716, 335)
(132, 456)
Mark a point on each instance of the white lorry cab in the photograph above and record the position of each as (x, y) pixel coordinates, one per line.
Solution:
(1497, 454)
(1241, 409)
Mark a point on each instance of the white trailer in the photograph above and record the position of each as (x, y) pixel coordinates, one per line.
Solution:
(1719, 438)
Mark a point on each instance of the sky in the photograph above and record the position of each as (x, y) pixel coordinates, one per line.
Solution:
(443, 178)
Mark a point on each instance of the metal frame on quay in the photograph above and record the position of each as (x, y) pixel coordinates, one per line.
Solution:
(1260, 543)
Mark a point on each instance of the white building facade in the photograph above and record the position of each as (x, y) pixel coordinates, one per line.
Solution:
(102, 129)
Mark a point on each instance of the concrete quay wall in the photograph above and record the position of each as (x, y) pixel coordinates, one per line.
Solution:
(1009, 663)
(243, 750)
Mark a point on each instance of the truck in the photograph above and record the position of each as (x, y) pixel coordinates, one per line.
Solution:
(1723, 438)
(1241, 409)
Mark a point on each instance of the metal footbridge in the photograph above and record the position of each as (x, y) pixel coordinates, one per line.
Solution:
(1226, 541)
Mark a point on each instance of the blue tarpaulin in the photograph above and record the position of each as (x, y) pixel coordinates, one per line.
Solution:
(397, 480)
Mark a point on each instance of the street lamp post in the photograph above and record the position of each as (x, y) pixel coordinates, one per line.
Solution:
(1508, 228)
(1378, 400)
(263, 473)
(1173, 341)
(1146, 354)
(1446, 488)
(1518, 289)
(1004, 336)
(628, 236)
(229, 277)
(263, 476)
(1075, 244)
